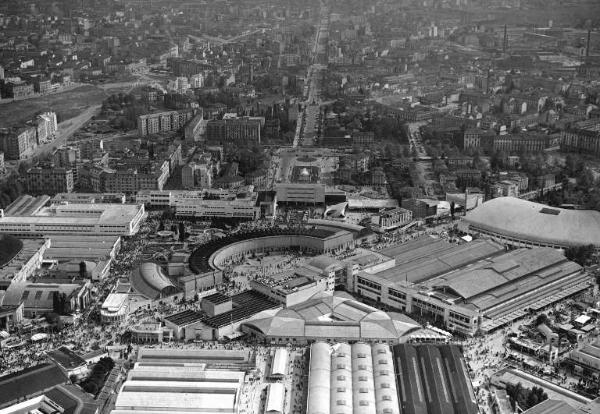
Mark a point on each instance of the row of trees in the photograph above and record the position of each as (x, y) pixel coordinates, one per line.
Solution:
(95, 381)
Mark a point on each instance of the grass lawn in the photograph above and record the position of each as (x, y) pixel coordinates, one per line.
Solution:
(67, 105)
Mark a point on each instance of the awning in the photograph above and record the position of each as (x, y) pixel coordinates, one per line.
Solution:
(4, 334)
(39, 337)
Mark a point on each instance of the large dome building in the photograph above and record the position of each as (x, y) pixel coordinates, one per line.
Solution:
(521, 223)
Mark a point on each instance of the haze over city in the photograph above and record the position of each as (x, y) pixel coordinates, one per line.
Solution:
(299, 207)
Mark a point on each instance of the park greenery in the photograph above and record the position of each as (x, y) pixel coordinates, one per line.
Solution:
(95, 381)
(525, 398)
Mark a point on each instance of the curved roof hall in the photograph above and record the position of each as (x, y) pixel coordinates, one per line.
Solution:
(151, 281)
(536, 223)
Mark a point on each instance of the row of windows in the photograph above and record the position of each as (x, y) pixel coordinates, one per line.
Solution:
(429, 306)
(364, 282)
(459, 317)
(396, 294)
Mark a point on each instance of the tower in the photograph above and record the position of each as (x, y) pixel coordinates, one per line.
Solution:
(587, 47)
(505, 41)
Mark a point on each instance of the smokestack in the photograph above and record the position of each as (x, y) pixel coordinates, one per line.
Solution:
(505, 40)
(587, 48)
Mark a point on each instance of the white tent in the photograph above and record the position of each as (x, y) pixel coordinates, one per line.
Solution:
(275, 398)
(38, 337)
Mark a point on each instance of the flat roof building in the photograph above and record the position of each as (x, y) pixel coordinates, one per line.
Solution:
(178, 384)
(72, 219)
(184, 324)
(27, 257)
(29, 382)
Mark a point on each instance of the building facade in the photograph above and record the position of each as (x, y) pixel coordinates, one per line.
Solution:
(49, 180)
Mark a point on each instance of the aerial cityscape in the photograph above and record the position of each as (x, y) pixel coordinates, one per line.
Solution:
(300, 207)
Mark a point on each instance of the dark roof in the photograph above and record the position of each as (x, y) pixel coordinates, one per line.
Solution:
(217, 298)
(184, 318)
(245, 305)
(72, 399)
(66, 358)
(462, 389)
(411, 394)
(433, 379)
(29, 382)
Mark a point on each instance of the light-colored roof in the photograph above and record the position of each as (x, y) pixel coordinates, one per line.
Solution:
(36, 295)
(280, 362)
(275, 398)
(535, 222)
(323, 262)
(114, 301)
(150, 280)
(333, 316)
(148, 401)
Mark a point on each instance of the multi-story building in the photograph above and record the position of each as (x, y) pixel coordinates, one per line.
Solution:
(476, 138)
(46, 126)
(66, 157)
(467, 177)
(150, 94)
(18, 90)
(186, 67)
(421, 208)
(42, 86)
(70, 219)
(18, 143)
(234, 130)
(583, 137)
(2, 167)
(197, 80)
(258, 179)
(470, 288)
(196, 175)
(205, 203)
(131, 180)
(389, 219)
(49, 180)
(505, 188)
(529, 142)
(363, 139)
(163, 121)
(195, 130)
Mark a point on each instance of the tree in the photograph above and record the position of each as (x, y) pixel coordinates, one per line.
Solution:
(82, 269)
(542, 319)
(181, 232)
(525, 398)
(54, 321)
(580, 254)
